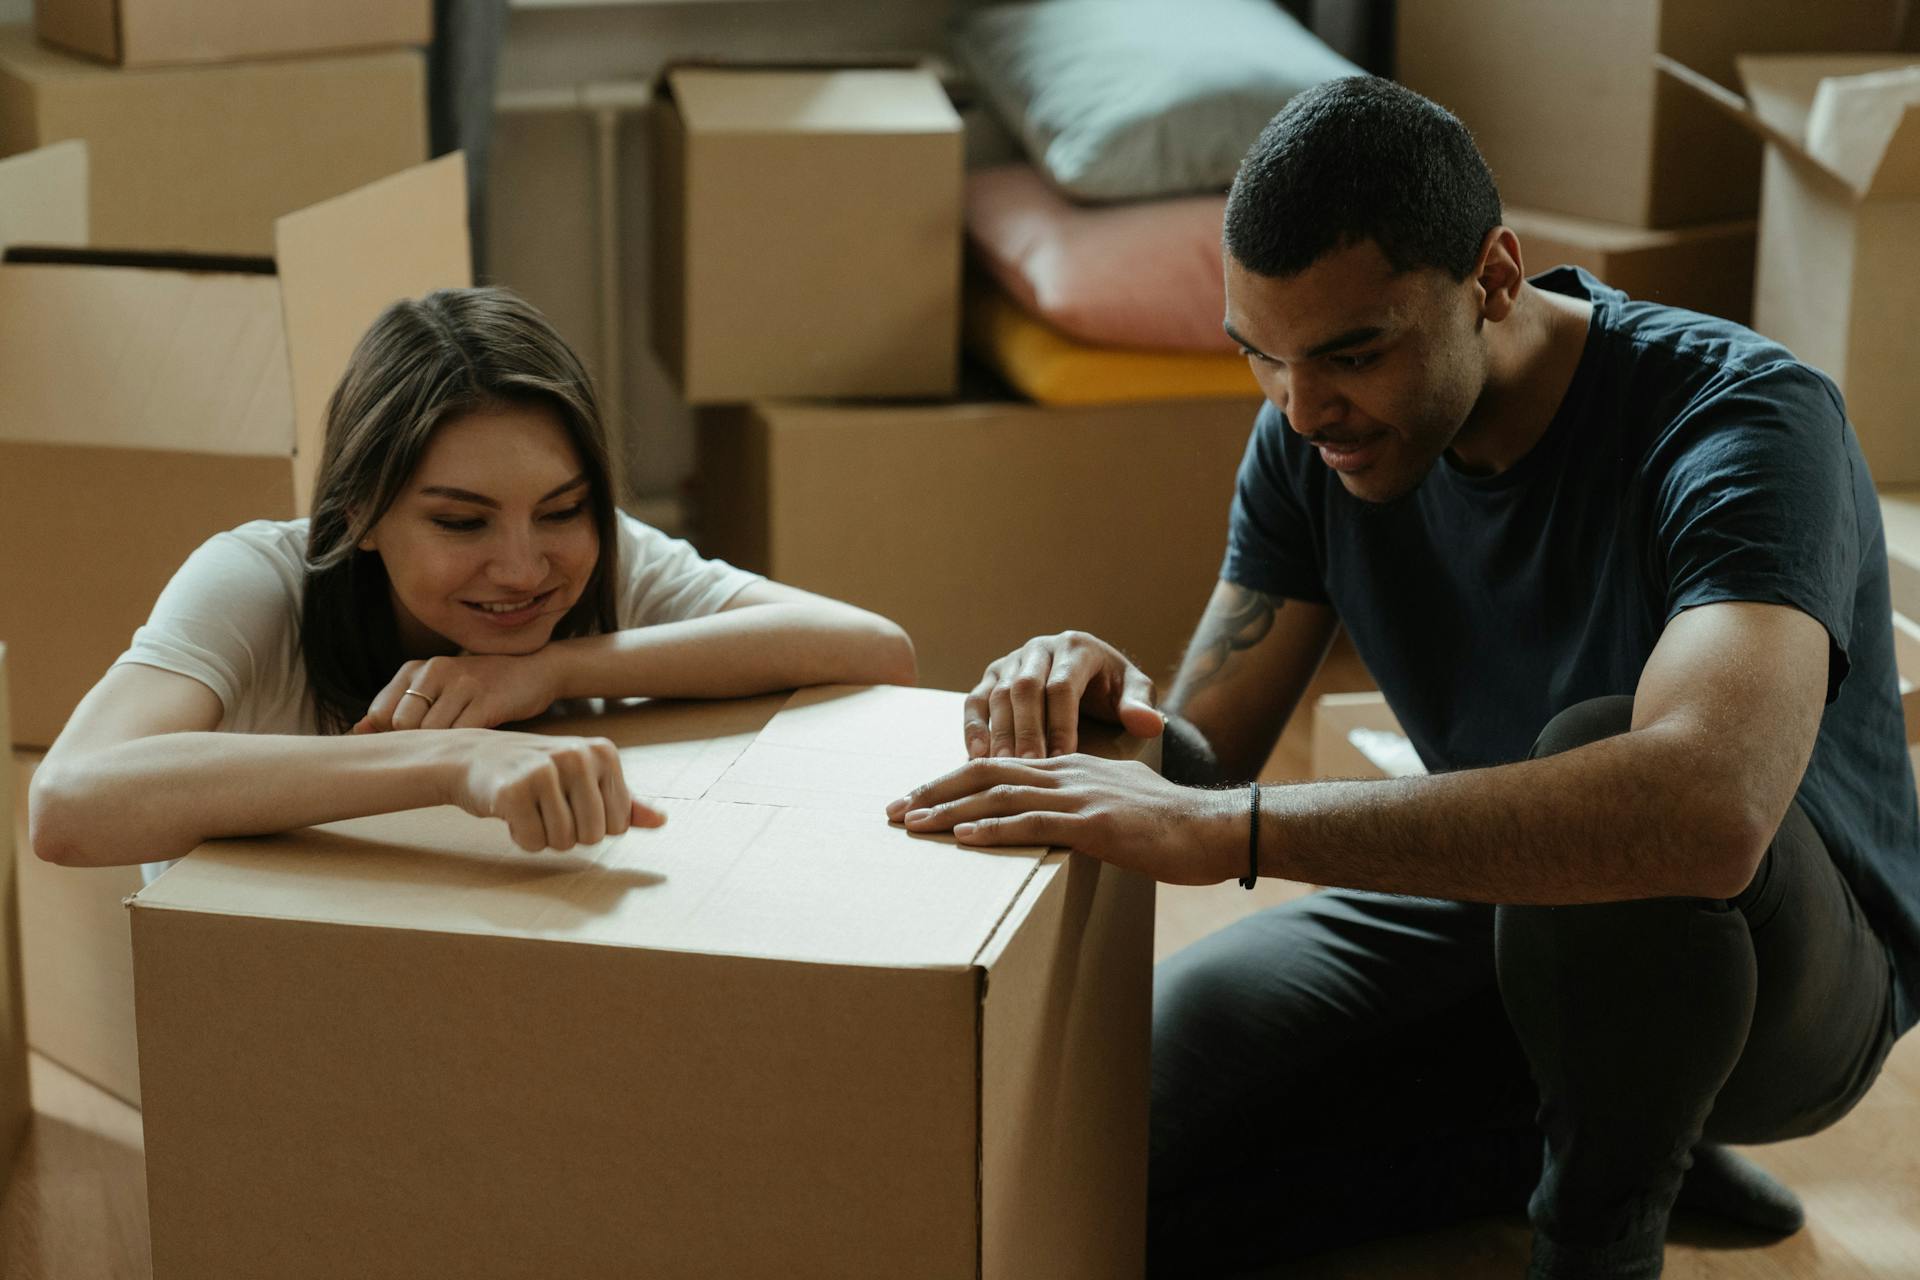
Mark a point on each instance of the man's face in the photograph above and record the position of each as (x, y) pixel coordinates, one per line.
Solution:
(1378, 371)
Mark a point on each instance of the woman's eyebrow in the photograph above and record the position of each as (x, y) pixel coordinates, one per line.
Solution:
(482, 500)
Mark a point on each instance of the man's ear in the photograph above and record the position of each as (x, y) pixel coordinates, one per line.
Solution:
(1499, 274)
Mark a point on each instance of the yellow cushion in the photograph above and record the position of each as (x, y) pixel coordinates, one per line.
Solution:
(1051, 368)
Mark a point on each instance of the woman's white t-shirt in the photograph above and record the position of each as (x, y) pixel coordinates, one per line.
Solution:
(230, 617)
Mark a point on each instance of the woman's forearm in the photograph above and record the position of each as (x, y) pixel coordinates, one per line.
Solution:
(158, 797)
(736, 653)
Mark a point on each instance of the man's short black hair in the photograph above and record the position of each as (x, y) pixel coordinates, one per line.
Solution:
(1361, 159)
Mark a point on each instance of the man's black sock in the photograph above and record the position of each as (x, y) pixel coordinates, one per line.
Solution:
(1731, 1186)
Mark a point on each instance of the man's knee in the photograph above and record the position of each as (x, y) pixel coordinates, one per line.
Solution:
(1584, 722)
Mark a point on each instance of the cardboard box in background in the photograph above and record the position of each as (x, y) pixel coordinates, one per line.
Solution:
(76, 957)
(1900, 516)
(977, 526)
(1705, 268)
(142, 33)
(806, 233)
(151, 405)
(205, 158)
(774, 1037)
(1838, 281)
(1335, 716)
(1565, 104)
(16, 1101)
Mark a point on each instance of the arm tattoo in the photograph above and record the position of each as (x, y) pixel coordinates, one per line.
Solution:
(1244, 623)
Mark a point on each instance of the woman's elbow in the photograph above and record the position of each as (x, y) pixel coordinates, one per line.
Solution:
(894, 657)
(52, 809)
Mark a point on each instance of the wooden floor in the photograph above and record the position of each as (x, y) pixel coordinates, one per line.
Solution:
(76, 1209)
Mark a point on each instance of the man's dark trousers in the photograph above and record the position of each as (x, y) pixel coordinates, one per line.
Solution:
(1351, 1065)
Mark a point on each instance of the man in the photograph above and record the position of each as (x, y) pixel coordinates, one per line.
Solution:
(1619, 571)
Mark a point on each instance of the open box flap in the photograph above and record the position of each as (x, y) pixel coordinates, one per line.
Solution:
(1866, 128)
(43, 196)
(1854, 133)
(344, 261)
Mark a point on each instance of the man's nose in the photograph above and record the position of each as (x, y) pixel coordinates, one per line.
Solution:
(1309, 404)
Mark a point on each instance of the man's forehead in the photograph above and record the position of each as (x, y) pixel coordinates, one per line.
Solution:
(1350, 291)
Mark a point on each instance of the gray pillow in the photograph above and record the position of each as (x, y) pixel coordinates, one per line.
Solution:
(1127, 99)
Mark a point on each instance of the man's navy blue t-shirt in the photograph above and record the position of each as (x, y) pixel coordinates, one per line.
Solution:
(1692, 461)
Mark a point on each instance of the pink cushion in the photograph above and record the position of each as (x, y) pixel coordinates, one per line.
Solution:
(1143, 275)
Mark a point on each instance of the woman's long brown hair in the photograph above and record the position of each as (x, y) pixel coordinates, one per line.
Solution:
(424, 363)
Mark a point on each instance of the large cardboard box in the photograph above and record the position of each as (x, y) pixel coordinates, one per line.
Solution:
(806, 233)
(977, 526)
(206, 158)
(1705, 268)
(1839, 273)
(1563, 99)
(144, 33)
(776, 1037)
(76, 957)
(152, 401)
(1335, 751)
(16, 1102)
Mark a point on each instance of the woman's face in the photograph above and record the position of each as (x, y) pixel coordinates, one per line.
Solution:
(492, 540)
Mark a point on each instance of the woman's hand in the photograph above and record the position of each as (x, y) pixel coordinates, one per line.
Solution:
(553, 793)
(468, 691)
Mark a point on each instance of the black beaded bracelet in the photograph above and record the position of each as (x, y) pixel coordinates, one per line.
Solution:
(1253, 838)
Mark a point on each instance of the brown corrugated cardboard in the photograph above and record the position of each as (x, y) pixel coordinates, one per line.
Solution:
(149, 407)
(16, 1102)
(1900, 515)
(144, 33)
(1335, 716)
(774, 1037)
(206, 158)
(980, 525)
(1565, 105)
(1705, 268)
(76, 958)
(1839, 233)
(806, 233)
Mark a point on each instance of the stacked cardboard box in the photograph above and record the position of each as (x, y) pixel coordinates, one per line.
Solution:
(154, 400)
(981, 524)
(807, 233)
(775, 1037)
(204, 158)
(1607, 164)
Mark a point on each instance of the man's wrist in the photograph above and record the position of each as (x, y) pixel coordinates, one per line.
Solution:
(1226, 833)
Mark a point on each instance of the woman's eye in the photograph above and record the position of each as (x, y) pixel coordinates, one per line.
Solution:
(568, 513)
(453, 525)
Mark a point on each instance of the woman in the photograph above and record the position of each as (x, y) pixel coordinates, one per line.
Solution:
(464, 567)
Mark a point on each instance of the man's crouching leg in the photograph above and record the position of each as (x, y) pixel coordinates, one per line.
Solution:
(1650, 1024)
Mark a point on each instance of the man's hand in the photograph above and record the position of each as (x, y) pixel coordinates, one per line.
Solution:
(1118, 811)
(1029, 703)
(470, 691)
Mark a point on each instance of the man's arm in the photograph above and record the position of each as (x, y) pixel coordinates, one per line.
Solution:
(1684, 804)
(1249, 661)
